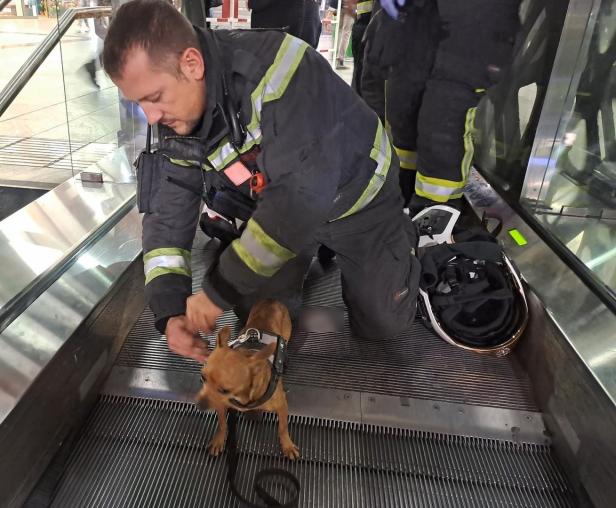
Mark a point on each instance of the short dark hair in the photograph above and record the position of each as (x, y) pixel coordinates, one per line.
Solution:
(155, 26)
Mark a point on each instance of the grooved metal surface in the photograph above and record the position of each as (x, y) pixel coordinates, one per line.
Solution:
(417, 364)
(51, 153)
(145, 452)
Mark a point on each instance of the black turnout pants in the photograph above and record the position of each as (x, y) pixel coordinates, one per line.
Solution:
(379, 273)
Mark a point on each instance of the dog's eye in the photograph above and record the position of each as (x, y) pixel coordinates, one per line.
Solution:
(222, 391)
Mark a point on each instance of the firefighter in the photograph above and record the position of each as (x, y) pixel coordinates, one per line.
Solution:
(363, 12)
(253, 116)
(298, 17)
(442, 56)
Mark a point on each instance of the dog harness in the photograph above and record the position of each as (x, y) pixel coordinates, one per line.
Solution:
(255, 340)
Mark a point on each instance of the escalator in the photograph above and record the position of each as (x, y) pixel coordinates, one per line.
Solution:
(95, 411)
(409, 422)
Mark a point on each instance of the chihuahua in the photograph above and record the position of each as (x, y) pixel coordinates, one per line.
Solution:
(240, 378)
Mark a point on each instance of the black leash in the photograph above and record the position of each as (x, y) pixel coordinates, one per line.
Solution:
(291, 485)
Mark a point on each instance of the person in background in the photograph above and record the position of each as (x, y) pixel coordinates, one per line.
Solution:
(298, 17)
(347, 19)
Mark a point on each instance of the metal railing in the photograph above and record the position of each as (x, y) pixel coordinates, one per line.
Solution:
(34, 61)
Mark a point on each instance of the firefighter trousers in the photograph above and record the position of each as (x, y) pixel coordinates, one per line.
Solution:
(455, 50)
(379, 273)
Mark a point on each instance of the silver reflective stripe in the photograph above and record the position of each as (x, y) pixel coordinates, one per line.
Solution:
(284, 67)
(259, 251)
(164, 262)
(381, 154)
(219, 156)
(271, 87)
(430, 189)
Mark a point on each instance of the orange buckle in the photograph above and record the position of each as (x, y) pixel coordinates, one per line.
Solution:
(257, 182)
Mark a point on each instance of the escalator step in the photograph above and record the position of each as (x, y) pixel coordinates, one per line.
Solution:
(146, 452)
(417, 364)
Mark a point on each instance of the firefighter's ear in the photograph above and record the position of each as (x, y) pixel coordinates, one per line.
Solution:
(222, 339)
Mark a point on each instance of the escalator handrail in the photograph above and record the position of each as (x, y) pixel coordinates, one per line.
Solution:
(34, 61)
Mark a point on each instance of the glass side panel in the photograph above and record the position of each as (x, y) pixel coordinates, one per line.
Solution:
(69, 117)
(577, 196)
(506, 121)
(100, 120)
(33, 130)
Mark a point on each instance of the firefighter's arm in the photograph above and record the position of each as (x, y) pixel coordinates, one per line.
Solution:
(169, 226)
(300, 159)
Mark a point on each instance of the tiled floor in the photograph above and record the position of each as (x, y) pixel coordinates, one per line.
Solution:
(60, 108)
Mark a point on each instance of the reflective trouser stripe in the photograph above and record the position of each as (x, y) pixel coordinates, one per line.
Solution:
(469, 147)
(271, 87)
(408, 158)
(259, 251)
(364, 7)
(381, 154)
(166, 260)
(440, 190)
(437, 189)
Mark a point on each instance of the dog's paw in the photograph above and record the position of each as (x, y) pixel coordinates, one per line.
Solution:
(217, 444)
(290, 450)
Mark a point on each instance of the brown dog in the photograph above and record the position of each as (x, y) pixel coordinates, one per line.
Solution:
(244, 376)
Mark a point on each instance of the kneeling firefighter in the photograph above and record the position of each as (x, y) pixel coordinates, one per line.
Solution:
(443, 55)
(242, 117)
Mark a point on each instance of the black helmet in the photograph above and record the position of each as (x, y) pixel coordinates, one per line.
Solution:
(470, 292)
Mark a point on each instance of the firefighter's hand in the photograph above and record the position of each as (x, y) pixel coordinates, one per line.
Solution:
(184, 341)
(201, 312)
(384, 40)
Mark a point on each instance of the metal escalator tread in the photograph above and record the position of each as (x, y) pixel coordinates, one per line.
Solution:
(417, 364)
(151, 453)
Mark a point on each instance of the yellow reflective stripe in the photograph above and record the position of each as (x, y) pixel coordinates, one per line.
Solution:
(271, 87)
(225, 152)
(437, 189)
(408, 158)
(440, 190)
(157, 272)
(184, 163)
(364, 7)
(167, 251)
(166, 260)
(279, 75)
(259, 251)
(469, 147)
(381, 154)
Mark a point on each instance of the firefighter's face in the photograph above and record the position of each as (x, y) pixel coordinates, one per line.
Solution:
(172, 96)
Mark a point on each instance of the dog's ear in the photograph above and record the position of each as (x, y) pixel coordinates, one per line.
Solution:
(222, 340)
(266, 352)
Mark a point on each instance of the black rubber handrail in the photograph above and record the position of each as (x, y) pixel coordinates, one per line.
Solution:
(34, 61)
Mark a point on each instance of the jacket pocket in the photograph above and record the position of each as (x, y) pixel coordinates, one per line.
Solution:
(148, 182)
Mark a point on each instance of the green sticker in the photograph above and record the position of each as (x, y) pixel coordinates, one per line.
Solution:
(517, 237)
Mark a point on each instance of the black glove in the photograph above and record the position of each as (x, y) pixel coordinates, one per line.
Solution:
(384, 41)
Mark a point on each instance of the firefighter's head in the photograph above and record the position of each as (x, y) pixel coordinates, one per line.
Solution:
(152, 54)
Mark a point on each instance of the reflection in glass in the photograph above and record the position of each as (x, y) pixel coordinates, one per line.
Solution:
(69, 117)
(577, 201)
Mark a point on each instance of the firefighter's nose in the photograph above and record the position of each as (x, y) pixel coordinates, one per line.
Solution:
(152, 114)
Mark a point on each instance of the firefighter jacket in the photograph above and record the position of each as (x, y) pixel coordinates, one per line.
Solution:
(324, 155)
